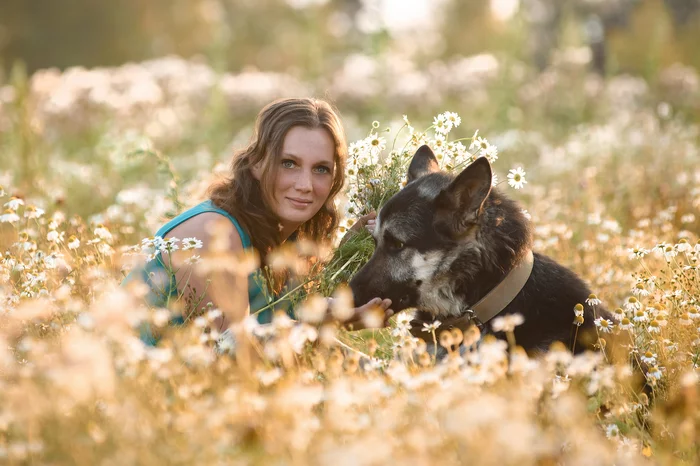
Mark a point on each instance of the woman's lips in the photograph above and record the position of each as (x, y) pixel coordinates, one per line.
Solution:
(300, 203)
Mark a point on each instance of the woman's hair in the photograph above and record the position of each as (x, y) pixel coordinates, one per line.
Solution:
(249, 200)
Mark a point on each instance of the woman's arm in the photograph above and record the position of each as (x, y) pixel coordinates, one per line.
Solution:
(216, 279)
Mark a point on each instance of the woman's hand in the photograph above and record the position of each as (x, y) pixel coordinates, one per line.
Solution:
(374, 314)
(366, 221)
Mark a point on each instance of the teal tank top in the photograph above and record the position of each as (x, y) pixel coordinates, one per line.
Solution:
(258, 295)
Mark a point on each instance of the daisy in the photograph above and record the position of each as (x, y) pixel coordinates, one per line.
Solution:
(648, 357)
(54, 236)
(33, 212)
(618, 314)
(430, 328)
(654, 373)
(102, 232)
(516, 178)
(453, 118)
(683, 245)
(193, 260)
(376, 144)
(626, 324)
(604, 325)
(191, 243)
(640, 316)
(637, 252)
(694, 313)
(73, 243)
(593, 300)
(441, 124)
(633, 304)
(612, 431)
(14, 203)
(654, 326)
(9, 216)
(639, 290)
(507, 323)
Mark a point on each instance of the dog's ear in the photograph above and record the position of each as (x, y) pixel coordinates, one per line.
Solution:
(423, 162)
(460, 204)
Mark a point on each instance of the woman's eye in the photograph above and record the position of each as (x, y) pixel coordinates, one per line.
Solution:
(323, 169)
(288, 163)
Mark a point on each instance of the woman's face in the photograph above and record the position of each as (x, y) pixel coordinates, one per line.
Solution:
(304, 176)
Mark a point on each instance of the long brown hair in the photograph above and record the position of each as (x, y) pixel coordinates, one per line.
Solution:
(249, 200)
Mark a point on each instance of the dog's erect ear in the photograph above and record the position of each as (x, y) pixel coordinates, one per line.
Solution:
(423, 162)
(460, 204)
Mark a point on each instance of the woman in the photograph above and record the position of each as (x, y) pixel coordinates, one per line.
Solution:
(282, 186)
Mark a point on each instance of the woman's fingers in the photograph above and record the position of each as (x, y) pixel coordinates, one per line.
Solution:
(374, 314)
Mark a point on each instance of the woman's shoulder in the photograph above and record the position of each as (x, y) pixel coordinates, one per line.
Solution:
(211, 226)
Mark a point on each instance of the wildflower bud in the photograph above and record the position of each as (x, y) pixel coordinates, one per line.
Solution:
(644, 399)
(578, 320)
(457, 336)
(578, 307)
(471, 336)
(446, 340)
(602, 343)
(424, 359)
(372, 346)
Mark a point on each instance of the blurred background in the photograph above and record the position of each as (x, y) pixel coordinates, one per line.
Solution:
(85, 84)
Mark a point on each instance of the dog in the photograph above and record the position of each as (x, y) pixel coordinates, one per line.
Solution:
(459, 250)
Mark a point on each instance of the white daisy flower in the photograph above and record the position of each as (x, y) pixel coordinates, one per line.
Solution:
(442, 125)
(14, 203)
(516, 178)
(103, 233)
(9, 216)
(618, 314)
(683, 246)
(507, 323)
(612, 431)
(73, 243)
(632, 304)
(491, 153)
(637, 252)
(453, 118)
(593, 300)
(654, 373)
(604, 325)
(626, 324)
(191, 243)
(195, 259)
(430, 328)
(648, 357)
(640, 316)
(33, 212)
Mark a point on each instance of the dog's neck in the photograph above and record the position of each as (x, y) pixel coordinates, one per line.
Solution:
(503, 293)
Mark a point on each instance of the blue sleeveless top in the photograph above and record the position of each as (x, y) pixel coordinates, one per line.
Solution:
(159, 295)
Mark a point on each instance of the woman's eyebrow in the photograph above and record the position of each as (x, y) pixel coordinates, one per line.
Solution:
(297, 159)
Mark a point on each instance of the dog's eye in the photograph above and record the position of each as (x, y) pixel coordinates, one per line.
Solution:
(394, 243)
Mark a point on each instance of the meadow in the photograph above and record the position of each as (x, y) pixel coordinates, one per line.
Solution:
(93, 161)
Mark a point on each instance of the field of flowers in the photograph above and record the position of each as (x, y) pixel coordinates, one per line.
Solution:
(93, 161)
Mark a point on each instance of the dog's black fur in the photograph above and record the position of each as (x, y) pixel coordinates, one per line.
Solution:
(472, 236)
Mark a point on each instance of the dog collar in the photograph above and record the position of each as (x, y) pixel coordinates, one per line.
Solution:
(502, 294)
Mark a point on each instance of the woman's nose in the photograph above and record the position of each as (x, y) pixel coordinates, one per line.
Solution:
(303, 182)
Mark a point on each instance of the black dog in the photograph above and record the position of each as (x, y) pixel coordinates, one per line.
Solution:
(451, 245)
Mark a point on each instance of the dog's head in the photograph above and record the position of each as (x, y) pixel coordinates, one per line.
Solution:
(442, 241)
